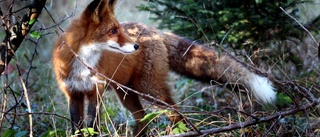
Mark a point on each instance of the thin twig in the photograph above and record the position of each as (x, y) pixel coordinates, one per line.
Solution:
(54, 21)
(276, 115)
(305, 29)
(188, 48)
(28, 105)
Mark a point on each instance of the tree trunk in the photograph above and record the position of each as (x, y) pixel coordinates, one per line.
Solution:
(16, 33)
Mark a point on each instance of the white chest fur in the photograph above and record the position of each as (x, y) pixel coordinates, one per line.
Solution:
(80, 78)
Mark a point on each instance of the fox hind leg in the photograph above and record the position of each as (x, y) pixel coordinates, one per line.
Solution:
(166, 97)
(160, 91)
(132, 102)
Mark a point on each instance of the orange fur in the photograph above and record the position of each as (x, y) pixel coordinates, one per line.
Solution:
(145, 69)
(102, 44)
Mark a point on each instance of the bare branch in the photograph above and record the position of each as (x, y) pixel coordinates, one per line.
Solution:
(17, 33)
(304, 28)
(276, 115)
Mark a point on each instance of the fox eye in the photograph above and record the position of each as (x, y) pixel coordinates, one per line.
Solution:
(113, 31)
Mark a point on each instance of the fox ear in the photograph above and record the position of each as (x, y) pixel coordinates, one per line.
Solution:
(112, 4)
(102, 8)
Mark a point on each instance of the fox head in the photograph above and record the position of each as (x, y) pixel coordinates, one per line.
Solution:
(103, 30)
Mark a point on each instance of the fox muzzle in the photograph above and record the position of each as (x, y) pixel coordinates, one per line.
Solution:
(136, 46)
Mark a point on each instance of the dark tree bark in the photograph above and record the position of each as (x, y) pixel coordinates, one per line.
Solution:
(16, 33)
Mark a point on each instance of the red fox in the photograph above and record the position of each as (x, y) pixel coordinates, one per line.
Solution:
(97, 42)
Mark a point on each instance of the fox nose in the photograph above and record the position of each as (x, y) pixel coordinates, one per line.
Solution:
(136, 46)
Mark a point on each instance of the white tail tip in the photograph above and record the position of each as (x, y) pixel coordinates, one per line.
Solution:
(262, 89)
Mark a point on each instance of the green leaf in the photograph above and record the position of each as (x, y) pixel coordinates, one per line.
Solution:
(151, 116)
(87, 132)
(54, 133)
(180, 128)
(8, 133)
(176, 131)
(35, 34)
(31, 22)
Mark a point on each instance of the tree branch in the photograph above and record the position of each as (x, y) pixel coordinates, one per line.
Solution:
(305, 29)
(16, 33)
(276, 115)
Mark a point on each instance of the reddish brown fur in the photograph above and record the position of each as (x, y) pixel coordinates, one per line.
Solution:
(145, 70)
(192, 59)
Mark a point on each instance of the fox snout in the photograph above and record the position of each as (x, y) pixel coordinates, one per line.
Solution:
(126, 48)
(136, 46)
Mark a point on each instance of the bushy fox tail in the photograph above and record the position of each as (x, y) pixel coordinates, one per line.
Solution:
(202, 63)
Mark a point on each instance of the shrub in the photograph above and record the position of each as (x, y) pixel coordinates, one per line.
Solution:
(233, 21)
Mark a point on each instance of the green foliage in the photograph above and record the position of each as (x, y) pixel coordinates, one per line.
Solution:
(87, 132)
(283, 99)
(35, 34)
(13, 133)
(54, 133)
(246, 21)
(31, 22)
(180, 128)
(149, 117)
